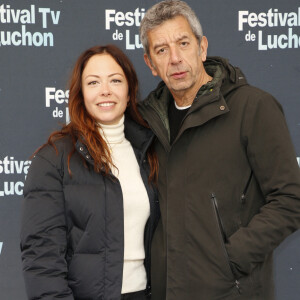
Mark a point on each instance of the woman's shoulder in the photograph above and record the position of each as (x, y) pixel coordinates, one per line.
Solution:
(47, 167)
(55, 150)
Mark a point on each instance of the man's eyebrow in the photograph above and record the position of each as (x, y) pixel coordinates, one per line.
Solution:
(182, 37)
(178, 39)
(158, 45)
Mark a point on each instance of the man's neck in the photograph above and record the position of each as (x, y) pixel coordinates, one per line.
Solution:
(185, 98)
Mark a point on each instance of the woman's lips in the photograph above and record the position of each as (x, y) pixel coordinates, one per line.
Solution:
(107, 105)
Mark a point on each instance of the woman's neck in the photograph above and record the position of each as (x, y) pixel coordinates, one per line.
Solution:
(113, 134)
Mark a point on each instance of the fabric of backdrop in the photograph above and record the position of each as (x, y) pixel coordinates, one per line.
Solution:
(39, 42)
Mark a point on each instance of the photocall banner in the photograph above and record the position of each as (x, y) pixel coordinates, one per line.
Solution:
(39, 43)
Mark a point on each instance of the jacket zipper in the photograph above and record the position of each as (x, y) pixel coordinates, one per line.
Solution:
(189, 112)
(159, 129)
(224, 239)
(150, 222)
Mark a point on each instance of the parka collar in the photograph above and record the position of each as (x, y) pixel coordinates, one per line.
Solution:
(211, 103)
(232, 78)
(140, 138)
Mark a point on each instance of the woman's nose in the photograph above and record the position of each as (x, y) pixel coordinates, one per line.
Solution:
(105, 89)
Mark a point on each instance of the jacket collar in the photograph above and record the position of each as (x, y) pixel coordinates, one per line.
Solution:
(207, 105)
(83, 151)
(140, 138)
(232, 78)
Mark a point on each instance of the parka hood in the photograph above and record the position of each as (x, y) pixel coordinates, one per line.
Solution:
(229, 79)
(226, 78)
(232, 77)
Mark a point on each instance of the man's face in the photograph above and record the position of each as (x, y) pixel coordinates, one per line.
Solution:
(176, 56)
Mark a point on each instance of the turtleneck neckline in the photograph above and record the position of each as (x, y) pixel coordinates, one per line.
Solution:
(113, 134)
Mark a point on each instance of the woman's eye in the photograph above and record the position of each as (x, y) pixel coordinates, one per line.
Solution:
(116, 80)
(92, 82)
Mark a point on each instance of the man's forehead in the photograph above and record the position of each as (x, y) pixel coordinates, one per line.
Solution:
(165, 38)
(168, 37)
(173, 29)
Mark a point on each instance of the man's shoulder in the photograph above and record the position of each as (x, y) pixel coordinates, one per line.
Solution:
(251, 93)
(253, 98)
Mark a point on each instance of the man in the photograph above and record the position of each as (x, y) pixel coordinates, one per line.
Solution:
(229, 184)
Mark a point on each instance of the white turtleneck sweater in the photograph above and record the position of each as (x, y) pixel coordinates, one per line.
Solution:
(136, 206)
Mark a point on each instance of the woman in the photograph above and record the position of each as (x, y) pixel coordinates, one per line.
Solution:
(90, 210)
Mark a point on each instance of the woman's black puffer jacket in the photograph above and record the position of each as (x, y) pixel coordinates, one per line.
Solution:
(72, 231)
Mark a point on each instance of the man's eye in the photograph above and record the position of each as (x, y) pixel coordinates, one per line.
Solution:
(184, 43)
(162, 50)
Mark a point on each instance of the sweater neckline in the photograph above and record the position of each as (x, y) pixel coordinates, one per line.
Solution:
(113, 134)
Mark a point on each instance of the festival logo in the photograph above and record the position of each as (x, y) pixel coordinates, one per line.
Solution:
(27, 18)
(117, 20)
(272, 29)
(15, 169)
(56, 100)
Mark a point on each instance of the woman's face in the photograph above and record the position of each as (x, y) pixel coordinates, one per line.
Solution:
(105, 89)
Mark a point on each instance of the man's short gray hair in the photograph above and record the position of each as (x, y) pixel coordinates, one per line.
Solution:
(166, 10)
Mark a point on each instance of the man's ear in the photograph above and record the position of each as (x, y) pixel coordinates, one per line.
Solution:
(203, 48)
(149, 64)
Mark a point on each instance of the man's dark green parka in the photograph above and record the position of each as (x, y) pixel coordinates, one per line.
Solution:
(229, 190)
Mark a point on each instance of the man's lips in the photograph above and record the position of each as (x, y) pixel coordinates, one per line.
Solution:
(178, 75)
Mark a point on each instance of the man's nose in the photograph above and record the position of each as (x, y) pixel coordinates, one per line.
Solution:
(175, 56)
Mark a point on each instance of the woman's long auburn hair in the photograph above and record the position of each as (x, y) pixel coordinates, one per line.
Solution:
(84, 127)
